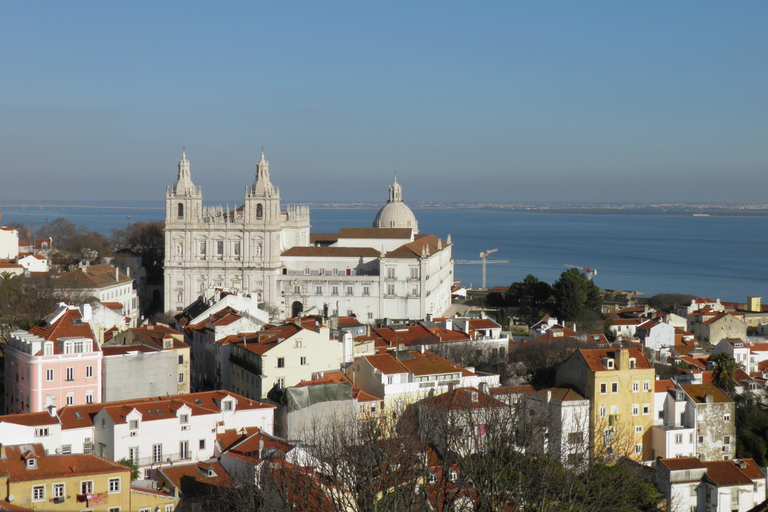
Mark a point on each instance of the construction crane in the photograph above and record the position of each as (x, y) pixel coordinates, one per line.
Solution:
(483, 261)
(591, 272)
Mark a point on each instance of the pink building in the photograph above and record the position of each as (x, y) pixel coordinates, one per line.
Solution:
(56, 363)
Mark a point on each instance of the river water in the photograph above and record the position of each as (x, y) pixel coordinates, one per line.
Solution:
(717, 257)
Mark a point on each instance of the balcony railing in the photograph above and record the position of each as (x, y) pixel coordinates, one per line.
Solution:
(165, 459)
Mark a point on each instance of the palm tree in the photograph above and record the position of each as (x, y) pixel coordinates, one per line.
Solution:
(725, 371)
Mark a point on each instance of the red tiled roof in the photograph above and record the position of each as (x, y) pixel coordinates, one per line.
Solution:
(727, 473)
(594, 358)
(414, 249)
(463, 399)
(193, 480)
(662, 385)
(375, 233)
(55, 466)
(333, 252)
(698, 393)
(682, 463)
(68, 325)
(96, 276)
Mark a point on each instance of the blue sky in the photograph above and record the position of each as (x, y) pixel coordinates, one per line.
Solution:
(466, 101)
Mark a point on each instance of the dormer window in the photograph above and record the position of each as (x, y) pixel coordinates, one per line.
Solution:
(48, 348)
(226, 405)
(32, 463)
(632, 363)
(184, 418)
(609, 363)
(133, 424)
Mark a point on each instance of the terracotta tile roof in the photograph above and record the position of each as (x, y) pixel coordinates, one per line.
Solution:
(68, 325)
(264, 340)
(682, 463)
(96, 276)
(513, 390)
(721, 315)
(30, 419)
(628, 321)
(333, 252)
(55, 466)
(375, 233)
(193, 480)
(727, 473)
(231, 437)
(386, 364)
(483, 323)
(248, 448)
(594, 358)
(412, 335)
(662, 385)
(560, 394)
(461, 399)
(414, 249)
(224, 316)
(698, 392)
(430, 363)
(446, 335)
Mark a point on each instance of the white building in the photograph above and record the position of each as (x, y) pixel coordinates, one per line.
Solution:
(107, 284)
(387, 271)
(9, 243)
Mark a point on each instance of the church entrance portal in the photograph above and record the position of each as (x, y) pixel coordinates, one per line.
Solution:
(296, 309)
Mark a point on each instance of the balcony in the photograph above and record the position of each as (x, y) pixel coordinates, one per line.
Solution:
(166, 459)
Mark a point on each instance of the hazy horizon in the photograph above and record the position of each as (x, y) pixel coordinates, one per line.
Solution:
(493, 102)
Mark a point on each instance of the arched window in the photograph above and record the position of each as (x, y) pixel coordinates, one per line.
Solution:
(181, 211)
(259, 211)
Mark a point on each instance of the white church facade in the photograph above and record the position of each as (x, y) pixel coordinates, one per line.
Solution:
(386, 271)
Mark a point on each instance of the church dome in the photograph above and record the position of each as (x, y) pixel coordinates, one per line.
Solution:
(396, 214)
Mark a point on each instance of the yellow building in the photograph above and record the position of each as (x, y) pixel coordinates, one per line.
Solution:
(619, 384)
(37, 481)
(33, 480)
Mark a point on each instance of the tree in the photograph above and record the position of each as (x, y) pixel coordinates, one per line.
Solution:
(725, 371)
(147, 239)
(495, 300)
(134, 468)
(667, 302)
(529, 295)
(574, 294)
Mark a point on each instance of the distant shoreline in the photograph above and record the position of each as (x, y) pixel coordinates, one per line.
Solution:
(676, 210)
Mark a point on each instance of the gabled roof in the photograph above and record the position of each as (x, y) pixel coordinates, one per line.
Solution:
(54, 466)
(698, 393)
(96, 276)
(559, 394)
(193, 480)
(594, 358)
(461, 399)
(727, 473)
(414, 249)
(69, 325)
(414, 362)
(682, 463)
(30, 419)
(248, 449)
(662, 385)
(263, 341)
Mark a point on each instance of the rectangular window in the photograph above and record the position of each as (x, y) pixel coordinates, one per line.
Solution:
(638, 429)
(58, 490)
(89, 397)
(303, 361)
(614, 409)
(635, 409)
(318, 290)
(335, 290)
(603, 388)
(635, 386)
(181, 378)
(366, 291)
(646, 409)
(70, 399)
(638, 449)
(726, 439)
(227, 406)
(614, 387)
(220, 247)
(157, 453)
(297, 290)
(183, 418)
(281, 382)
(575, 438)
(49, 375)
(133, 424)
(349, 290)
(390, 289)
(646, 385)
(66, 449)
(89, 371)
(38, 493)
(184, 449)
(181, 359)
(133, 454)
(390, 273)
(414, 291)
(603, 411)
(202, 444)
(678, 438)
(414, 273)
(114, 485)
(237, 250)
(727, 416)
(70, 373)
(202, 248)
(86, 487)
(281, 362)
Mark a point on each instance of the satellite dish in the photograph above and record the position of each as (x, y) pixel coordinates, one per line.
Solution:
(11, 497)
